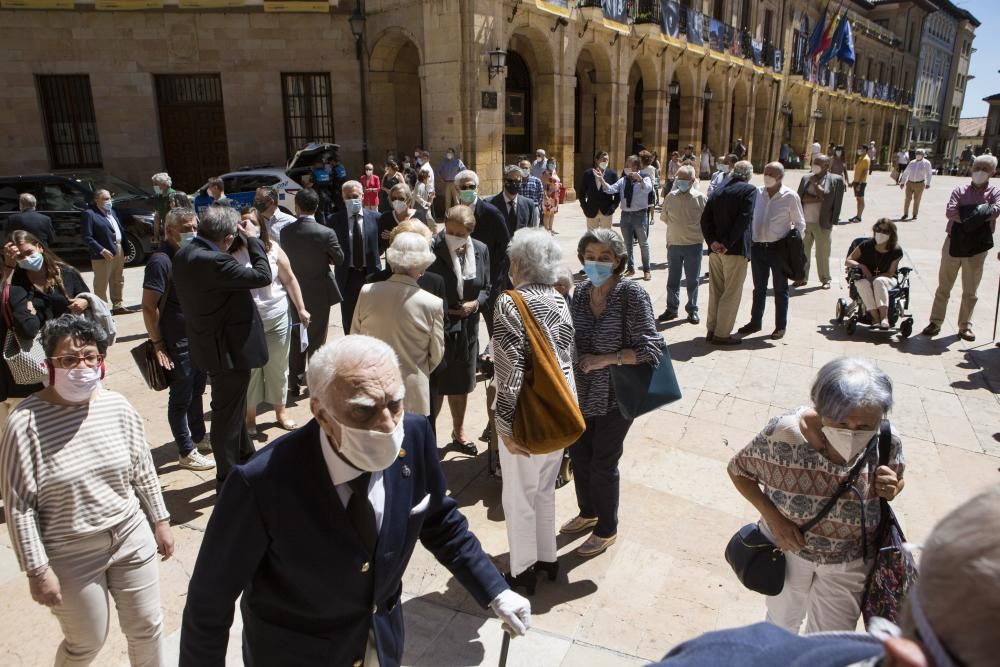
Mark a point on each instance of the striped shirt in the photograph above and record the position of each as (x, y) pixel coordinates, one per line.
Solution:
(629, 315)
(67, 472)
(800, 481)
(510, 345)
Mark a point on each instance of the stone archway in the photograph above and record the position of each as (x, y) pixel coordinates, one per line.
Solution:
(530, 95)
(741, 116)
(716, 114)
(395, 94)
(766, 124)
(591, 107)
(689, 106)
(518, 113)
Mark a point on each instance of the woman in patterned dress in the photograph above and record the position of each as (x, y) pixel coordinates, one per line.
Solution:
(529, 480)
(800, 459)
(550, 203)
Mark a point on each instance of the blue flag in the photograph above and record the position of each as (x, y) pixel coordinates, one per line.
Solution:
(836, 43)
(816, 38)
(846, 51)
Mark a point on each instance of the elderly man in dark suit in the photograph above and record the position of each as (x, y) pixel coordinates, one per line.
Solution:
(725, 222)
(491, 230)
(316, 532)
(598, 206)
(518, 211)
(30, 220)
(822, 194)
(103, 233)
(358, 234)
(312, 249)
(225, 333)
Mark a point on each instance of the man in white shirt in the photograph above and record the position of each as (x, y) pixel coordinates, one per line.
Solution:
(634, 190)
(723, 171)
(424, 165)
(902, 158)
(540, 164)
(265, 200)
(777, 211)
(915, 179)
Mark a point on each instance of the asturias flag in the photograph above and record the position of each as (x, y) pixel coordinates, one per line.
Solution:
(836, 42)
(827, 38)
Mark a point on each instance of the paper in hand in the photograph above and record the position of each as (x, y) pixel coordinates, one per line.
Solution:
(303, 337)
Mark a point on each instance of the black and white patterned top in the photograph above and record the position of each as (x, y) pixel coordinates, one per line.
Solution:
(628, 312)
(510, 345)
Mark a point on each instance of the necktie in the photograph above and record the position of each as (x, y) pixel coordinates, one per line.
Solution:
(629, 185)
(361, 512)
(461, 258)
(358, 244)
(511, 216)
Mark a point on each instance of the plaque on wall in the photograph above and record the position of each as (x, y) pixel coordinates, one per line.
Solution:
(127, 5)
(36, 4)
(300, 6)
(489, 99)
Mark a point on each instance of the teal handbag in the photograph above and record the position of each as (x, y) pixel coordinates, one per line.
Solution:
(642, 388)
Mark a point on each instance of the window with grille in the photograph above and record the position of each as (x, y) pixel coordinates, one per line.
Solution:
(70, 123)
(308, 111)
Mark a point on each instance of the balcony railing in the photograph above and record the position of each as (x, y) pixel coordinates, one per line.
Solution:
(645, 11)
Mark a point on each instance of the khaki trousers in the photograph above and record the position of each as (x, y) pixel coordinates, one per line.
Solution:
(121, 561)
(972, 274)
(913, 191)
(599, 220)
(110, 272)
(815, 234)
(450, 194)
(726, 275)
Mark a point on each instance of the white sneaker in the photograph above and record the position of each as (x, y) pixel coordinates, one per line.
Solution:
(195, 461)
(884, 325)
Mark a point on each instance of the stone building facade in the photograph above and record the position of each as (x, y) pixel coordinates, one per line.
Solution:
(205, 90)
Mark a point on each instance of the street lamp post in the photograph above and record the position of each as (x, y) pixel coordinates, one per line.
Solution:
(357, 22)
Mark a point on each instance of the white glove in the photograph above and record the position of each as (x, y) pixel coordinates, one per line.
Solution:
(513, 611)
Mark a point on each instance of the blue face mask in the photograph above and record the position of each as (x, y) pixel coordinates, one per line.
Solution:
(353, 206)
(598, 272)
(186, 238)
(682, 185)
(32, 262)
(108, 205)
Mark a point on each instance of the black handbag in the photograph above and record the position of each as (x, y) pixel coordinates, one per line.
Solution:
(758, 562)
(152, 372)
(642, 388)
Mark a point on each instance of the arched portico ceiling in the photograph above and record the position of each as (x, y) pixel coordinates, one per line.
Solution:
(534, 46)
(387, 46)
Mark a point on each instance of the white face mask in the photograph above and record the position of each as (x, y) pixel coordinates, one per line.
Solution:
(370, 451)
(847, 442)
(816, 170)
(76, 385)
(980, 177)
(881, 238)
(770, 181)
(603, 164)
(399, 205)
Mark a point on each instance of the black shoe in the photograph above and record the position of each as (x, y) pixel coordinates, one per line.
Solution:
(749, 328)
(525, 580)
(464, 447)
(294, 392)
(905, 217)
(667, 316)
(550, 569)
(694, 319)
(485, 437)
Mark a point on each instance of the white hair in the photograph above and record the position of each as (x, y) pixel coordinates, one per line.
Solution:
(536, 254)
(564, 277)
(467, 175)
(353, 350)
(743, 170)
(27, 201)
(988, 160)
(849, 383)
(688, 171)
(409, 251)
(163, 178)
(351, 184)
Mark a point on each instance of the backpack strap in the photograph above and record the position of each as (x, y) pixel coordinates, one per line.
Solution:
(847, 483)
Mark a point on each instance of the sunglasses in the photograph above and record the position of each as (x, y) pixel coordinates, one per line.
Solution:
(470, 186)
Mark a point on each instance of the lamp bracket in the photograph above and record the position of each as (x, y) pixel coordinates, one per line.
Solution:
(586, 24)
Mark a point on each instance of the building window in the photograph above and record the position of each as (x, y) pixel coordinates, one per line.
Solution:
(70, 123)
(768, 20)
(308, 112)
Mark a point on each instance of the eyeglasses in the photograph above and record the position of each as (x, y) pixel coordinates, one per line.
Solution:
(73, 361)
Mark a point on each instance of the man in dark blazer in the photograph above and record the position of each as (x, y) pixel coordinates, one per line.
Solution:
(822, 194)
(726, 223)
(31, 221)
(357, 231)
(317, 530)
(491, 230)
(518, 211)
(225, 333)
(103, 232)
(598, 206)
(312, 249)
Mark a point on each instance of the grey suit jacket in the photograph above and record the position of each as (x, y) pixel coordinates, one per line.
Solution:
(834, 187)
(311, 249)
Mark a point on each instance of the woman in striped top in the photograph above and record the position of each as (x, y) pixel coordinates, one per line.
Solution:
(76, 475)
(614, 325)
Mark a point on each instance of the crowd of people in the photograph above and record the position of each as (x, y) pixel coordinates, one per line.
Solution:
(240, 301)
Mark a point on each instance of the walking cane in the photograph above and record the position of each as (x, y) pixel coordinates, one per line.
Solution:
(996, 313)
(504, 647)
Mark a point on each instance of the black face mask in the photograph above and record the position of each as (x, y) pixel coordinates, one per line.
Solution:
(511, 187)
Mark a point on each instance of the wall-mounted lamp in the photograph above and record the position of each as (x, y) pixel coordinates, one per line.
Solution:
(817, 114)
(561, 21)
(498, 63)
(786, 108)
(708, 95)
(674, 89)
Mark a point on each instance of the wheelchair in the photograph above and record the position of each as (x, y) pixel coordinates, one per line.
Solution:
(852, 311)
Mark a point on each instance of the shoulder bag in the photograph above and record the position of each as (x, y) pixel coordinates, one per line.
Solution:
(547, 417)
(895, 569)
(24, 358)
(641, 388)
(758, 562)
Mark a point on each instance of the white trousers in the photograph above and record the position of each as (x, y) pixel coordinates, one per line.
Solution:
(875, 293)
(529, 506)
(827, 596)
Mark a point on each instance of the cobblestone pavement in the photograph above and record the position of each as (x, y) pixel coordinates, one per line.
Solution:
(665, 580)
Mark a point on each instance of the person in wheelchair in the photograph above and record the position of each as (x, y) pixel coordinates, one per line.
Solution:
(872, 266)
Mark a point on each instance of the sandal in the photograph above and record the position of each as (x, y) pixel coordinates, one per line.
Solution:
(286, 424)
(464, 447)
